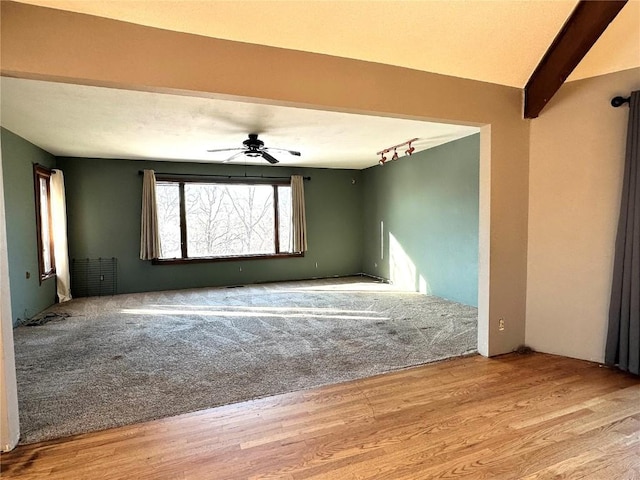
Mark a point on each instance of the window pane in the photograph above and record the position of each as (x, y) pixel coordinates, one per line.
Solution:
(225, 220)
(168, 201)
(45, 228)
(284, 219)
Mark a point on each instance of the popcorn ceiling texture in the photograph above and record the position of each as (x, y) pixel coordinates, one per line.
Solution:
(130, 358)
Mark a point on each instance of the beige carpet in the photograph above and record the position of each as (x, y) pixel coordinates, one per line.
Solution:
(130, 358)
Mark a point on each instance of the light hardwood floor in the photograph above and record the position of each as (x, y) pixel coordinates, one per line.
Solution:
(511, 417)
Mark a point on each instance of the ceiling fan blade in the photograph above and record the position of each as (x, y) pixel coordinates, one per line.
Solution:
(254, 147)
(225, 149)
(290, 152)
(268, 157)
(233, 156)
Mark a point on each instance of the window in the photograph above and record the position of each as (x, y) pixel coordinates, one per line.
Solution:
(46, 264)
(205, 220)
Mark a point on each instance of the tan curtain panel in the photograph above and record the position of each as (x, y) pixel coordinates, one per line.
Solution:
(149, 234)
(299, 230)
(60, 244)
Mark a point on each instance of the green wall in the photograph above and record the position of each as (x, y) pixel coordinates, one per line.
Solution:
(421, 220)
(414, 221)
(103, 209)
(28, 296)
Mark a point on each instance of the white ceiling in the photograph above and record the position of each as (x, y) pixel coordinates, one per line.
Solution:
(498, 41)
(84, 121)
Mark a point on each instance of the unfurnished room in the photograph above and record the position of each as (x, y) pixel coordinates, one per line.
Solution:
(236, 246)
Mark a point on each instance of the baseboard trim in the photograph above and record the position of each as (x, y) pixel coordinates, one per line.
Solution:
(380, 279)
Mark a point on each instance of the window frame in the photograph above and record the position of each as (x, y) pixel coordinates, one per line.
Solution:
(182, 180)
(40, 172)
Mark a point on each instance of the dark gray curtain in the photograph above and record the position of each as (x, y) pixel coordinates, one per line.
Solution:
(623, 339)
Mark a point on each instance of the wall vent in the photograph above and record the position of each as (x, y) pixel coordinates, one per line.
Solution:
(94, 277)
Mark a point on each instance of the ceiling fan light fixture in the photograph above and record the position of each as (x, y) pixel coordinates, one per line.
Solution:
(254, 148)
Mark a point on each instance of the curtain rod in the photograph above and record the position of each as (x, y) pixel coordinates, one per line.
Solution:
(619, 101)
(51, 170)
(229, 177)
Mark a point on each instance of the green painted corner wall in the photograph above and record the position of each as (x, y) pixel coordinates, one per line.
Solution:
(28, 296)
(103, 210)
(426, 205)
(421, 221)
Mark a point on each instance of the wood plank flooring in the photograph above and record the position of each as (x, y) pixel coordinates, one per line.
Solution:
(512, 417)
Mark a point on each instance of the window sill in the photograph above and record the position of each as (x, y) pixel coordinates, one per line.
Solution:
(47, 277)
(179, 261)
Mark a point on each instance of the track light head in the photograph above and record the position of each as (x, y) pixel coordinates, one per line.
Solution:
(395, 148)
(410, 150)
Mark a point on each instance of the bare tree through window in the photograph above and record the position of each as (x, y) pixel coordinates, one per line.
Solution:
(168, 203)
(224, 220)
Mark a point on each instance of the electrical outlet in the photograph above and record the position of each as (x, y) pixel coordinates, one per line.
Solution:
(240, 268)
(501, 324)
(316, 264)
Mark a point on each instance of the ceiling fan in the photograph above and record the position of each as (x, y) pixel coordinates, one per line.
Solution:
(255, 148)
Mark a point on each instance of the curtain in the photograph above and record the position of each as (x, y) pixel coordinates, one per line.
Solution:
(149, 234)
(299, 230)
(623, 337)
(60, 246)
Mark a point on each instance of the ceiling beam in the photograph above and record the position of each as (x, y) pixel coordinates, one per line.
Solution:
(581, 30)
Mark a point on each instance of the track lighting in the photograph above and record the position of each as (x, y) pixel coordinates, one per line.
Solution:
(409, 151)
